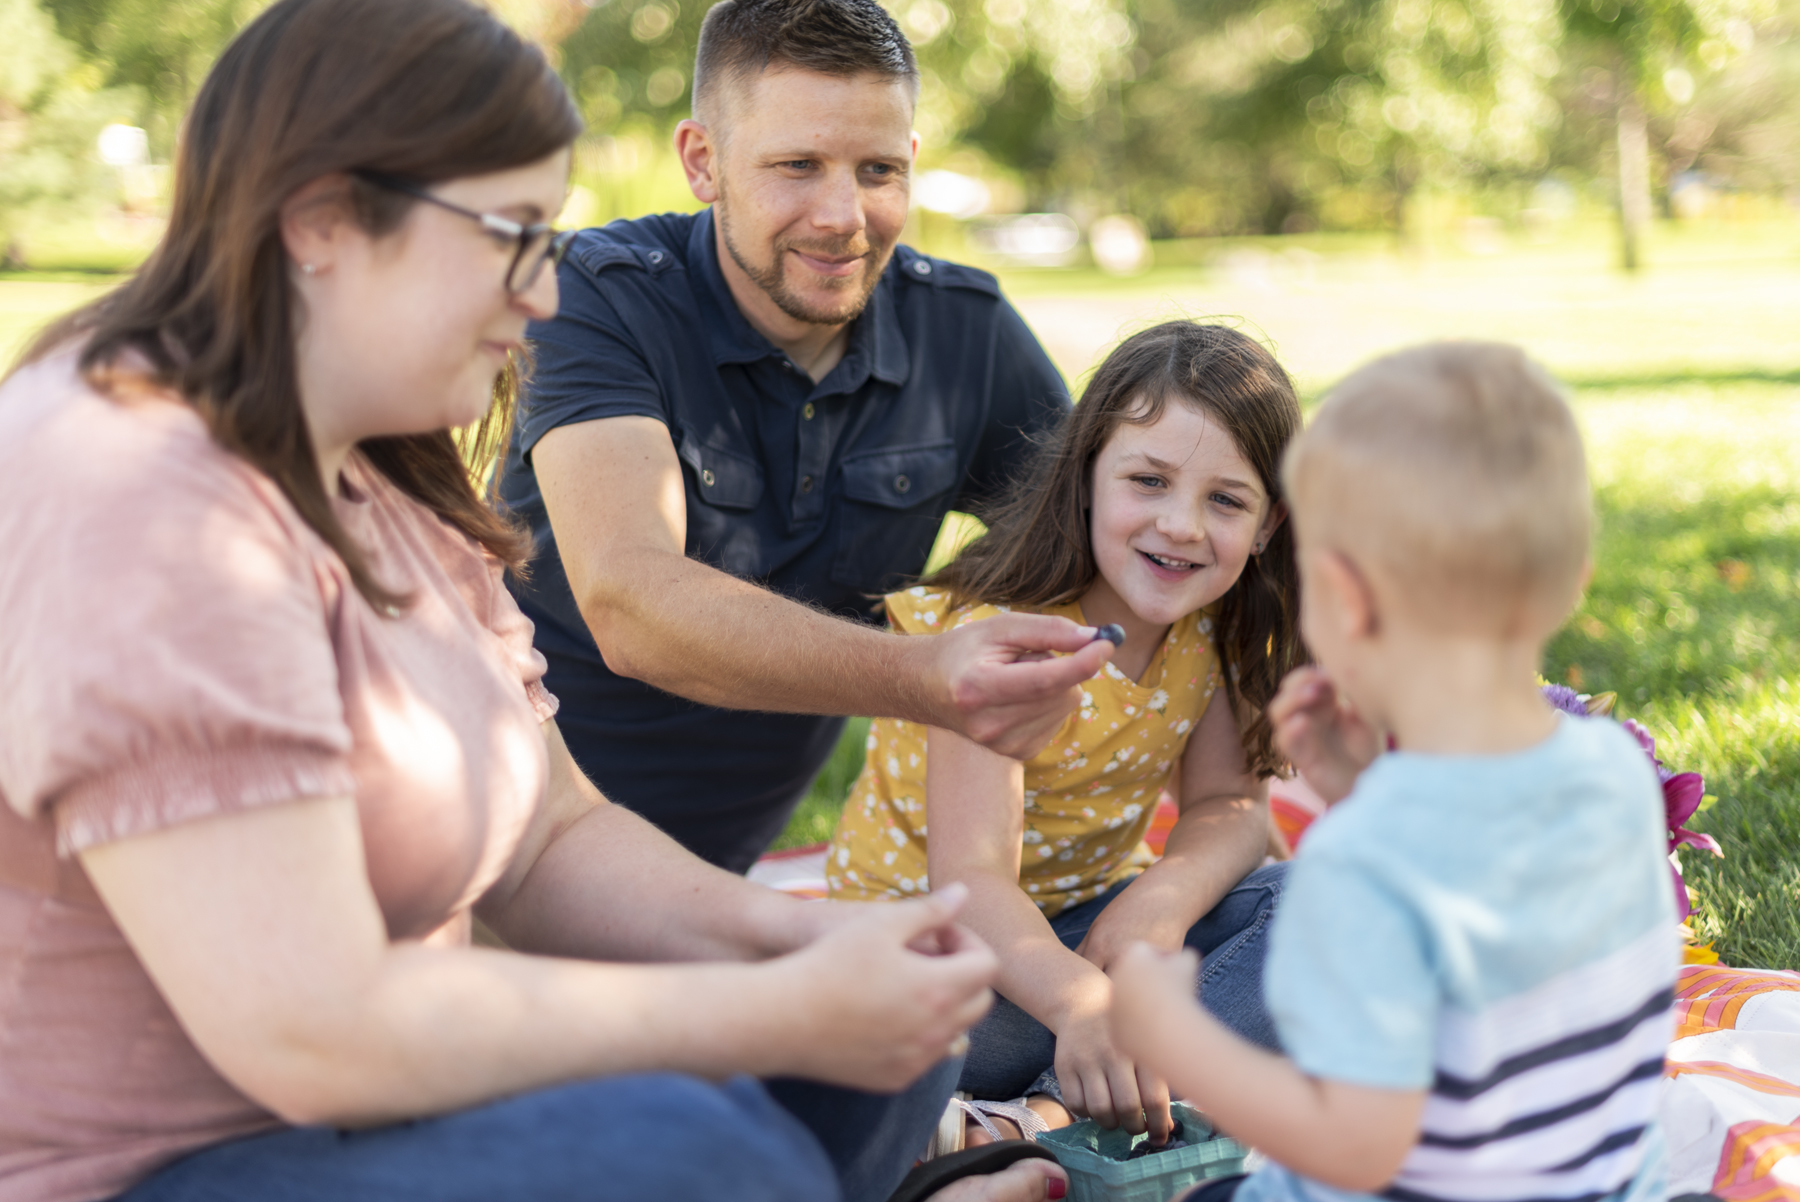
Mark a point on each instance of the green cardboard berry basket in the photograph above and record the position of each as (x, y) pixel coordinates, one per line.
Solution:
(1098, 1171)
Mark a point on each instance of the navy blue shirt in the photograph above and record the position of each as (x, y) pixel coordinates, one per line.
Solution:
(829, 493)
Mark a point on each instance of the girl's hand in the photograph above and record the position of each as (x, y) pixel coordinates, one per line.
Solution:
(1106, 941)
(1317, 729)
(1106, 1085)
(1150, 986)
(885, 995)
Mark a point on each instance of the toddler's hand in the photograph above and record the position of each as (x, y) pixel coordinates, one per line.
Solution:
(1326, 739)
(1149, 985)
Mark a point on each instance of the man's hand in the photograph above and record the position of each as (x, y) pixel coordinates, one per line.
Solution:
(1316, 728)
(1001, 686)
(874, 1013)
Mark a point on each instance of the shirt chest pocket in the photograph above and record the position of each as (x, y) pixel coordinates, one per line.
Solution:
(723, 491)
(894, 501)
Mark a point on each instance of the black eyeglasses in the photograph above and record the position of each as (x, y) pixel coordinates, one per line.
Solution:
(537, 243)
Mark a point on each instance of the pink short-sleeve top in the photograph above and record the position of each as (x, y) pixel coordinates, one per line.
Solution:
(177, 644)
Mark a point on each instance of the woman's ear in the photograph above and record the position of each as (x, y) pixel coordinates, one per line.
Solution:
(313, 222)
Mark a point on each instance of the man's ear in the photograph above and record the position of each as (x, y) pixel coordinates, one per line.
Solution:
(313, 221)
(699, 155)
(1356, 600)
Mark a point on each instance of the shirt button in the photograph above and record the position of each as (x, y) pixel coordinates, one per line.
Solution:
(706, 477)
(922, 266)
(807, 412)
(656, 256)
(806, 484)
(901, 484)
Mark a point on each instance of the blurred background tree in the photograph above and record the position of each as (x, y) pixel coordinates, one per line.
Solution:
(1195, 117)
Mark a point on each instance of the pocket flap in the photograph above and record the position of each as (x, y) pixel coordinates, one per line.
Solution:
(726, 479)
(900, 478)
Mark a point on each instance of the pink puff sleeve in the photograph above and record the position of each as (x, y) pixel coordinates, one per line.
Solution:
(167, 621)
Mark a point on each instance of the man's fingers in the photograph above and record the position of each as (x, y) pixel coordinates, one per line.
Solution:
(1039, 632)
(913, 918)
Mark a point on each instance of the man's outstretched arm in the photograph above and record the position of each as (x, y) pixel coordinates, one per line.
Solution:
(614, 493)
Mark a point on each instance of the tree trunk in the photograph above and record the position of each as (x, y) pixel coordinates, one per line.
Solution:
(1634, 183)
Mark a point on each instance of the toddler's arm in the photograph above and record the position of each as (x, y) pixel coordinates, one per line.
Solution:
(1348, 1136)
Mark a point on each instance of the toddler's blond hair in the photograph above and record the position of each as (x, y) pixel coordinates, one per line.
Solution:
(1454, 473)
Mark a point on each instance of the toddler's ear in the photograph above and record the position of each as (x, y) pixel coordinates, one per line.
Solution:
(1352, 597)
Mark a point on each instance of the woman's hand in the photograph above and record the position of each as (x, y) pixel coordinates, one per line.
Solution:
(1105, 1083)
(1317, 729)
(887, 991)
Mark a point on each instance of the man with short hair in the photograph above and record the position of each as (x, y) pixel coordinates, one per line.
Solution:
(747, 423)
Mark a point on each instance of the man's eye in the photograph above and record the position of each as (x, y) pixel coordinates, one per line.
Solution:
(797, 164)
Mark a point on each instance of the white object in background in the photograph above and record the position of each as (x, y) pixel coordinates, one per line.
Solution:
(123, 146)
(951, 193)
(1120, 245)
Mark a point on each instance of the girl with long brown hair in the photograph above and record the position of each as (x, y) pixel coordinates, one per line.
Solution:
(1155, 507)
(275, 732)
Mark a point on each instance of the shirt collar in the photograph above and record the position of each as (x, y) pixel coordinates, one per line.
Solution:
(877, 345)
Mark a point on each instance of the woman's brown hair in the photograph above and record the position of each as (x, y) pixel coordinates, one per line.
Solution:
(1038, 550)
(424, 90)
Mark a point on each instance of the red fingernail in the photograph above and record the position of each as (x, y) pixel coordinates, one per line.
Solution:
(1056, 1187)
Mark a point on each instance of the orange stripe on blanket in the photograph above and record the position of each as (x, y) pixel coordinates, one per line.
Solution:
(1748, 1078)
(1751, 1152)
(1290, 819)
(1711, 996)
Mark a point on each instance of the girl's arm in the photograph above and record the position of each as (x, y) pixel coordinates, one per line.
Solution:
(1219, 839)
(975, 819)
(1353, 1137)
(262, 932)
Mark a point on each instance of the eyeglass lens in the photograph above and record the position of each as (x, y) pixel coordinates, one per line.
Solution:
(534, 250)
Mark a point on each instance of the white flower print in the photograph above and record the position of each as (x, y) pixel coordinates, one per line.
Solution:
(1033, 835)
(1067, 882)
(893, 765)
(1131, 811)
(897, 835)
(1183, 726)
(889, 858)
(929, 617)
(843, 857)
(1159, 701)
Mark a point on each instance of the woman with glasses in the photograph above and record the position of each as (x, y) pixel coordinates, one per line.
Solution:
(275, 734)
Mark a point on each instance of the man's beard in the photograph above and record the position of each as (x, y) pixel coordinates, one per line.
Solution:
(771, 277)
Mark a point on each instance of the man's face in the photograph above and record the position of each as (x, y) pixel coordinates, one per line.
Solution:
(815, 172)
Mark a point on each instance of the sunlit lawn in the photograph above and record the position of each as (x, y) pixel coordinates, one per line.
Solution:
(1685, 382)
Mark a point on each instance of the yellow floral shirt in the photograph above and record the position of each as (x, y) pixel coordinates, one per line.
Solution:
(1089, 794)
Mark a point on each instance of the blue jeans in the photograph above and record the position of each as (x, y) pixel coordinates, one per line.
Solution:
(1012, 1053)
(633, 1138)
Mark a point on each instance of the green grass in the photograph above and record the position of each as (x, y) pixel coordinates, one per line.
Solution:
(1685, 383)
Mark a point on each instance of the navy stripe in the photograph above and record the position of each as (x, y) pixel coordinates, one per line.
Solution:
(1400, 1194)
(1612, 1143)
(1462, 1089)
(1545, 1118)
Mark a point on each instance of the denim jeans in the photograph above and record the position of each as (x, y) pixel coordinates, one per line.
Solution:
(1012, 1053)
(638, 1138)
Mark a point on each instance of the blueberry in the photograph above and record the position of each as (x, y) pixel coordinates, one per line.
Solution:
(1112, 632)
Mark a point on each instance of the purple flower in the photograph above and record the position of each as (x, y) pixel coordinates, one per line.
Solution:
(1562, 697)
